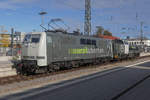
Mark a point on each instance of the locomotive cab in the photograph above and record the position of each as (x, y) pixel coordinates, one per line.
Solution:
(126, 47)
(34, 50)
(118, 49)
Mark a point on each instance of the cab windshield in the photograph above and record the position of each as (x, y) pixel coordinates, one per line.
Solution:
(32, 38)
(35, 38)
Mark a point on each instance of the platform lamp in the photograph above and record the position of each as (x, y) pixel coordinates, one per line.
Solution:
(42, 16)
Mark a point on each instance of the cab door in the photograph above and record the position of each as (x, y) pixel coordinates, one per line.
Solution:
(49, 49)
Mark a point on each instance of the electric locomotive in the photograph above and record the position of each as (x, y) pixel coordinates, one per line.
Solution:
(53, 50)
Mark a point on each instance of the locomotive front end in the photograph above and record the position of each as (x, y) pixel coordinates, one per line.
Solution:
(33, 53)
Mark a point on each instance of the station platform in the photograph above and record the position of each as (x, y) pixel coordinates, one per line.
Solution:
(144, 54)
(6, 67)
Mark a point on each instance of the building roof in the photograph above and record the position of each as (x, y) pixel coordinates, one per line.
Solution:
(136, 39)
(108, 37)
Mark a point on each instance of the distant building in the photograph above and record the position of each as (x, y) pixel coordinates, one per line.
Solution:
(144, 45)
(18, 37)
(5, 42)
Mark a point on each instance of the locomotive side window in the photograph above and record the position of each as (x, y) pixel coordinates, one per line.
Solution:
(83, 41)
(49, 39)
(87, 42)
(93, 42)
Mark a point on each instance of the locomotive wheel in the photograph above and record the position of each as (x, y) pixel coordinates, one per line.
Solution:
(75, 64)
(50, 69)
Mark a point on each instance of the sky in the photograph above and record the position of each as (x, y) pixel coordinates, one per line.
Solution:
(121, 17)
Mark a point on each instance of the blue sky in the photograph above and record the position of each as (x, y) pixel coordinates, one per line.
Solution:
(23, 15)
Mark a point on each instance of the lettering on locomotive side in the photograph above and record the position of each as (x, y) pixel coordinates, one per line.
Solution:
(86, 51)
(78, 51)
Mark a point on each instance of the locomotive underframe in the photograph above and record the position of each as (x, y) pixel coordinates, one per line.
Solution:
(27, 67)
(31, 67)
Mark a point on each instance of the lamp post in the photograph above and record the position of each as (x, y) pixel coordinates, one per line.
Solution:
(42, 16)
(142, 31)
(12, 41)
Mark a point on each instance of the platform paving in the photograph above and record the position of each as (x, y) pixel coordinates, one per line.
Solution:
(6, 67)
(145, 54)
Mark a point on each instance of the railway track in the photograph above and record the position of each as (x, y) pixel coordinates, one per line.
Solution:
(19, 78)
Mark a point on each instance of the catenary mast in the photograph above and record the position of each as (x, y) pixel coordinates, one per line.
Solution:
(87, 23)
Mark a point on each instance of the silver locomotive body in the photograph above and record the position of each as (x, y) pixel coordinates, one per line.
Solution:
(68, 48)
(53, 50)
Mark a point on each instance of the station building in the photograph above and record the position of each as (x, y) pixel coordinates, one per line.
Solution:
(5, 42)
(144, 44)
(138, 42)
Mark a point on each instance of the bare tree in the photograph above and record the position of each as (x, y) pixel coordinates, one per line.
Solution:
(100, 30)
(106, 32)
